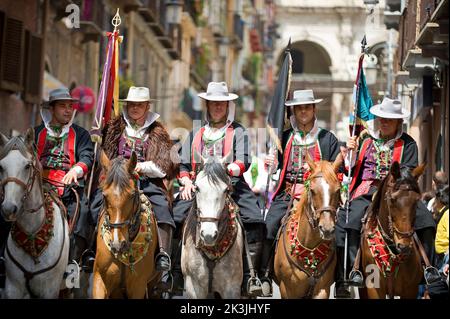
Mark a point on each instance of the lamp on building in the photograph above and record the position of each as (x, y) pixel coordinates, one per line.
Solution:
(370, 68)
(174, 10)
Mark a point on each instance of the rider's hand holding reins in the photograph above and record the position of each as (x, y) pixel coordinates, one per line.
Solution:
(71, 177)
(189, 188)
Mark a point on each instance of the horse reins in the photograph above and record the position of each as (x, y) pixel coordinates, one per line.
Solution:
(56, 198)
(313, 220)
(132, 222)
(392, 228)
(27, 187)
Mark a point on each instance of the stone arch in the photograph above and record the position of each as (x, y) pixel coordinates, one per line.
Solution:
(308, 57)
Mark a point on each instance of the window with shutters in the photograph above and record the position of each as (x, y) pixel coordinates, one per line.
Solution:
(32, 68)
(12, 47)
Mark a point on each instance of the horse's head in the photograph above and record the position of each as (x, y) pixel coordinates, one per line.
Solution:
(121, 199)
(212, 184)
(323, 192)
(19, 169)
(401, 192)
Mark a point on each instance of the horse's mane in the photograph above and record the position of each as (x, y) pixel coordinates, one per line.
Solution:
(405, 178)
(118, 175)
(215, 172)
(16, 143)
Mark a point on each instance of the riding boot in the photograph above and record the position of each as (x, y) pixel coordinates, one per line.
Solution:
(251, 284)
(355, 277)
(165, 241)
(266, 268)
(178, 279)
(341, 289)
(88, 257)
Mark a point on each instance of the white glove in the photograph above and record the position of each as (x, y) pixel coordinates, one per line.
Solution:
(150, 169)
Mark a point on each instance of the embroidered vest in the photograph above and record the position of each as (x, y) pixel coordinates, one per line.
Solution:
(297, 161)
(127, 144)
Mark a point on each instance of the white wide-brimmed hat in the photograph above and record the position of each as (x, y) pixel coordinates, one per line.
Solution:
(301, 97)
(217, 91)
(138, 94)
(389, 109)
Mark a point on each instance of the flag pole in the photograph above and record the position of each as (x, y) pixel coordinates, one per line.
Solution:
(272, 146)
(97, 127)
(349, 173)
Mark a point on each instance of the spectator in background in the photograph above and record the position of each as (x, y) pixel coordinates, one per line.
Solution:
(439, 180)
(439, 289)
(441, 217)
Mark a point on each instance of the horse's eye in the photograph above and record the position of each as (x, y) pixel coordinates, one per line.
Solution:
(28, 166)
(1, 169)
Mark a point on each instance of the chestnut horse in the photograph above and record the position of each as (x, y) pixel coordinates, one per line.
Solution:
(305, 255)
(127, 235)
(388, 235)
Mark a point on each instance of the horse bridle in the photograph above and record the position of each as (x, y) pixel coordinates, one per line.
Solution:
(392, 228)
(201, 219)
(314, 220)
(26, 186)
(132, 221)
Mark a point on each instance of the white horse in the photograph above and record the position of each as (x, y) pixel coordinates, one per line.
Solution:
(209, 266)
(38, 274)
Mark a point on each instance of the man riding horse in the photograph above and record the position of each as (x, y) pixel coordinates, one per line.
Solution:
(371, 161)
(221, 135)
(304, 136)
(66, 154)
(137, 130)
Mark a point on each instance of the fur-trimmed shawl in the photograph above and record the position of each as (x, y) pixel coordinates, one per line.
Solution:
(159, 146)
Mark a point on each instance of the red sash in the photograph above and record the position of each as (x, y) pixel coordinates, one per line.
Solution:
(197, 145)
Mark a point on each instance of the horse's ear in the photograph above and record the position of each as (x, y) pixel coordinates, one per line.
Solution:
(29, 137)
(132, 162)
(419, 170)
(3, 140)
(338, 162)
(228, 158)
(104, 160)
(310, 162)
(395, 170)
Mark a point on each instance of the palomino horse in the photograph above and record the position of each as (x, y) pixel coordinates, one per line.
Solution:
(127, 234)
(305, 255)
(387, 239)
(211, 256)
(37, 249)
